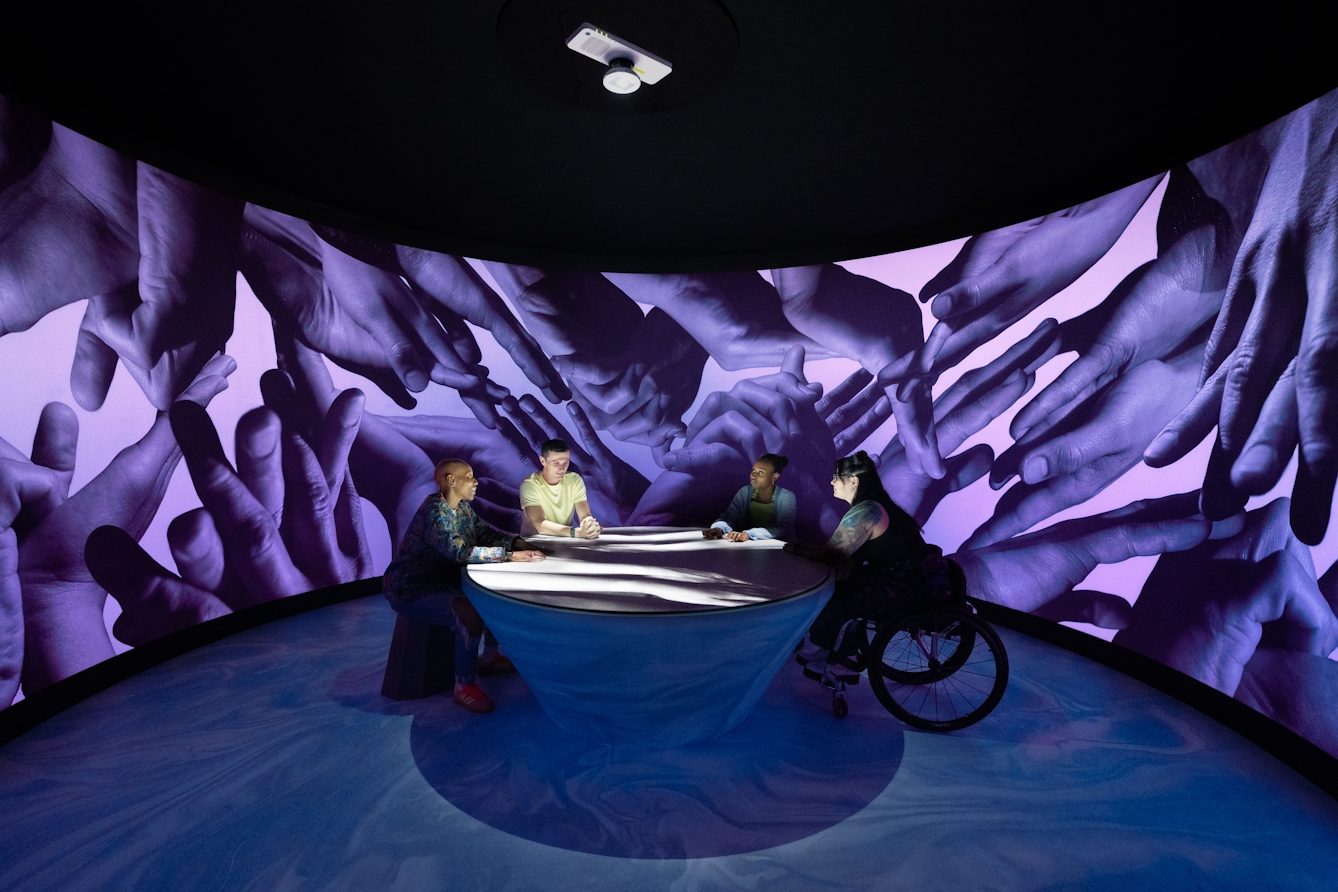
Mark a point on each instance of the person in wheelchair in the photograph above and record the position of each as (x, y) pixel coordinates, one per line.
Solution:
(882, 563)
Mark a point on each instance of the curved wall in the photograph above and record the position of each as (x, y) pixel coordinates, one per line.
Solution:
(1075, 366)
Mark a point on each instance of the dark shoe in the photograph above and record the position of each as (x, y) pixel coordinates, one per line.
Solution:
(852, 661)
(499, 665)
(810, 653)
(472, 698)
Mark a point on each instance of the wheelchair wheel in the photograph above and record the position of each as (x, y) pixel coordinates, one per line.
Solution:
(911, 667)
(937, 668)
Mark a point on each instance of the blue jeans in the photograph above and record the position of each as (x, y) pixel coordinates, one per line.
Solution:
(436, 609)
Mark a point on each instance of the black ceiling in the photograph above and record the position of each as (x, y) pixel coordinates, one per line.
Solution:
(841, 128)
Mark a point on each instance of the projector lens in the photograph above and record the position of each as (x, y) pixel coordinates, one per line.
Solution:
(620, 78)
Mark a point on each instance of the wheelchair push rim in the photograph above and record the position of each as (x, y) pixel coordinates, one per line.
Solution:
(937, 668)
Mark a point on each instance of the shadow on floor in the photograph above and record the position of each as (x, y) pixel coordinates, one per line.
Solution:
(790, 770)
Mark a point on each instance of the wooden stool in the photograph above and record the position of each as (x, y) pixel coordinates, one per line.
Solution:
(421, 661)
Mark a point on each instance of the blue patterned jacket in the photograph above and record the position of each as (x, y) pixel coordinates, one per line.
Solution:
(437, 544)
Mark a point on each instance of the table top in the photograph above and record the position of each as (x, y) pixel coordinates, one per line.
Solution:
(652, 570)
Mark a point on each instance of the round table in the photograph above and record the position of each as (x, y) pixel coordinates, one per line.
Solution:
(650, 636)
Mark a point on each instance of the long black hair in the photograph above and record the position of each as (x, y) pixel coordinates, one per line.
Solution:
(862, 468)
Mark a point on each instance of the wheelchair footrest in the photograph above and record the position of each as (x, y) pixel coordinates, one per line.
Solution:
(837, 675)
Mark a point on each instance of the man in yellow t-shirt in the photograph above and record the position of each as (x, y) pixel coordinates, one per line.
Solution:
(553, 498)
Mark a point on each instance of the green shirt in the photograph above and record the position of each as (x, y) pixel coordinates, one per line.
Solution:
(761, 514)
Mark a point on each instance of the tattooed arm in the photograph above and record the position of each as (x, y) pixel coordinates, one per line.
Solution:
(864, 521)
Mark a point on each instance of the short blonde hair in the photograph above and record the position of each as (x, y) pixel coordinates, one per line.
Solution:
(444, 468)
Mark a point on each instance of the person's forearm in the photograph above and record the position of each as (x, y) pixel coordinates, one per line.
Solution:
(823, 554)
(549, 528)
(486, 554)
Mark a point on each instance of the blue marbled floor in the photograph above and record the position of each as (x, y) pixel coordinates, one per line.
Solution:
(270, 761)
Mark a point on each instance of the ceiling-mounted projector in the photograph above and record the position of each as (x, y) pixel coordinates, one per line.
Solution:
(629, 65)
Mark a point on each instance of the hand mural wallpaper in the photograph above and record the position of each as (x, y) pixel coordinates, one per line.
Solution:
(1121, 415)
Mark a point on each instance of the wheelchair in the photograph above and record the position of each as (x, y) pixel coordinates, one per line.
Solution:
(935, 665)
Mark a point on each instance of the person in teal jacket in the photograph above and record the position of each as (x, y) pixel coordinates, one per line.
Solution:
(761, 510)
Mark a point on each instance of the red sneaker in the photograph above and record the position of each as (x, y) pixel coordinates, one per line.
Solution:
(472, 698)
(500, 664)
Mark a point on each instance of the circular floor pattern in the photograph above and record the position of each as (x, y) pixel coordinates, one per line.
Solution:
(779, 777)
(268, 761)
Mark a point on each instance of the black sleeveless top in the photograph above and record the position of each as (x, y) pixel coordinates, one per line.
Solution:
(900, 542)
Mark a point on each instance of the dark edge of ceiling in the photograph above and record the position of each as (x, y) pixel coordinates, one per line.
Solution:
(1255, 112)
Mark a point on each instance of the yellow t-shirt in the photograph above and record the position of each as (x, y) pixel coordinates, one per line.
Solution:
(558, 502)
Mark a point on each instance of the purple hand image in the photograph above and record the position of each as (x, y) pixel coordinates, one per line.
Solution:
(1295, 689)
(419, 344)
(1037, 572)
(1229, 331)
(850, 315)
(1003, 275)
(1077, 455)
(68, 230)
(1279, 307)
(154, 255)
(1232, 177)
(62, 601)
(286, 520)
(392, 473)
(29, 491)
(1204, 611)
(281, 260)
(393, 459)
(736, 317)
(1157, 310)
(447, 288)
(973, 401)
(500, 458)
(633, 375)
(178, 314)
(852, 410)
(875, 325)
(774, 413)
(394, 314)
(1138, 353)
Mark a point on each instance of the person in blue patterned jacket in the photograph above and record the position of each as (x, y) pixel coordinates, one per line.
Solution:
(423, 580)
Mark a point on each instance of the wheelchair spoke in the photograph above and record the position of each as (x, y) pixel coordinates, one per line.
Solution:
(938, 669)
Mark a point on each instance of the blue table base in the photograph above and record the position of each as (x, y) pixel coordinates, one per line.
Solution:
(650, 680)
